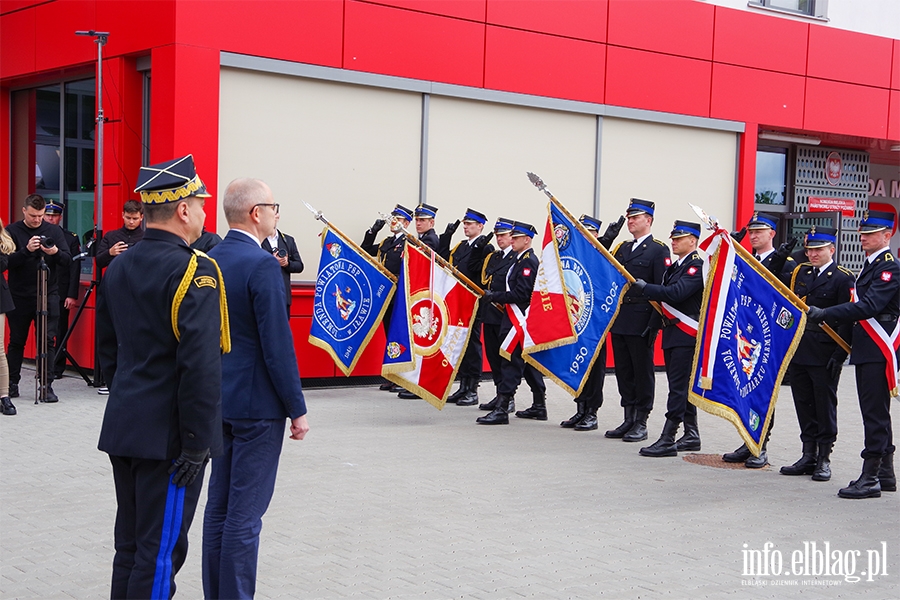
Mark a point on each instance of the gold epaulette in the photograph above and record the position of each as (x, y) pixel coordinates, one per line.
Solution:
(694, 256)
(846, 271)
(888, 256)
(619, 245)
(660, 242)
(204, 281)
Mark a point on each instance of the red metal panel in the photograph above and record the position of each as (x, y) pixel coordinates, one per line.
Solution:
(7, 6)
(532, 63)
(760, 41)
(895, 66)
(463, 9)
(849, 56)
(835, 107)
(390, 41)
(17, 41)
(58, 22)
(746, 175)
(5, 134)
(654, 81)
(186, 123)
(584, 19)
(894, 118)
(743, 94)
(681, 27)
(138, 26)
(308, 31)
(312, 361)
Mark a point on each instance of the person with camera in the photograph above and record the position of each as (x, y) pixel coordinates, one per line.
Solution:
(36, 242)
(119, 240)
(284, 249)
(67, 282)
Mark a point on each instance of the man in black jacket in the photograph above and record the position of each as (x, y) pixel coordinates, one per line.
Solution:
(67, 283)
(284, 249)
(119, 240)
(517, 291)
(161, 336)
(468, 257)
(874, 317)
(36, 242)
(647, 258)
(680, 295)
(816, 366)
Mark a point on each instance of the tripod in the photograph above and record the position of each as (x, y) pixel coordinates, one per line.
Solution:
(96, 378)
(42, 356)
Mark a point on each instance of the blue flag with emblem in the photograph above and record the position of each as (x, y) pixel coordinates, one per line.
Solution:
(352, 293)
(750, 326)
(595, 283)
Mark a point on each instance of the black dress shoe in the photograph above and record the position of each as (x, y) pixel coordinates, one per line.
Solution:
(757, 462)
(386, 386)
(407, 395)
(739, 455)
(50, 396)
(6, 406)
(490, 405)
(13, 390)
(589, 422)
(495, 417)
(536, 412)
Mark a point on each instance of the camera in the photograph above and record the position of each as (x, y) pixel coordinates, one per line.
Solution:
(280, 252)
(47, 241)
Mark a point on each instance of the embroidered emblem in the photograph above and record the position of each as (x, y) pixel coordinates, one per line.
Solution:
(209, 281)
(886, 276)
(692, 270)
(526, 272)
(668, 262)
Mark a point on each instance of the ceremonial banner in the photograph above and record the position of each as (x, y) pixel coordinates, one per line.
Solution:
(594, 283)
(430, 327)
(352, 294)
(749, 329)
(548, 320)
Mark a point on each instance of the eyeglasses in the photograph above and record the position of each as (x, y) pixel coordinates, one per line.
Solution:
(274, 206)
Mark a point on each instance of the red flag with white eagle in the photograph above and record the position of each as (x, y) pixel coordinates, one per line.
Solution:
(548, 321)
(440, 311)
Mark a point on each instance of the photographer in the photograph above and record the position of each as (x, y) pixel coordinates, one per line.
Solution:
(119, 240)
(34, 240)
(284, 249)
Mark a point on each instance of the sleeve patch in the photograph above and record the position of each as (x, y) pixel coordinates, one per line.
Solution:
(526, 272)
(205, 281)
(668, 262)
(692, 270)
(886, 276)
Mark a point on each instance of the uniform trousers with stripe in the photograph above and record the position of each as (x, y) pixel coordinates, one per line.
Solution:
(151, 530)
(875, 406)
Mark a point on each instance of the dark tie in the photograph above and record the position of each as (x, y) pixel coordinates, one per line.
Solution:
(815, 272)
(756, 256)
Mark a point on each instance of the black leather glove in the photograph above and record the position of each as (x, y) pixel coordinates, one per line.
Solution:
(188, 464)
(776, 265)
(612, 231)
(834, 366)
(377, 226)
(451, 228)
(650, 335)
(815, 314)
(640, 284)
(738, 236)
(488, 296)
(481, 243)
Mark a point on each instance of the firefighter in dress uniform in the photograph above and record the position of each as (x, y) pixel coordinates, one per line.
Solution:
(874, 314)
(519, 285)
(681, 290)
(816, 366)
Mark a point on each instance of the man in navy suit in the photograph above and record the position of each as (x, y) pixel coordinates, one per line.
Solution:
(260, 389)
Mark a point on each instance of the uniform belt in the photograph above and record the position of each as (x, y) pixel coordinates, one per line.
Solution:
(630, 300)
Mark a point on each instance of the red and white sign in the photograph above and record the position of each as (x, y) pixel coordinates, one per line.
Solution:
(846, 205)
(833, 167)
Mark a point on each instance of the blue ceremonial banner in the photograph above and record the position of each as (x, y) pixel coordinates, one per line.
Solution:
(398, 348)
(749, 328)
(352, 294)
(595, 284)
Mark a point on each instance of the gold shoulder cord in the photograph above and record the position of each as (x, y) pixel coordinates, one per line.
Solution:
(485, 279)
(181, 292)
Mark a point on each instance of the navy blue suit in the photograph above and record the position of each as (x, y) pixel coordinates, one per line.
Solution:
(260, 389)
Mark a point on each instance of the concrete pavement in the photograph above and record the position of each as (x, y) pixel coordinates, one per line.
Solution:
(390, 498)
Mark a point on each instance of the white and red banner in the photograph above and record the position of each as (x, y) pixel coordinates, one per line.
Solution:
(548, 322)
(429, 331)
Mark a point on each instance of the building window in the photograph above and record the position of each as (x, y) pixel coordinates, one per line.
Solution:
(809, 8)
(771, 177)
